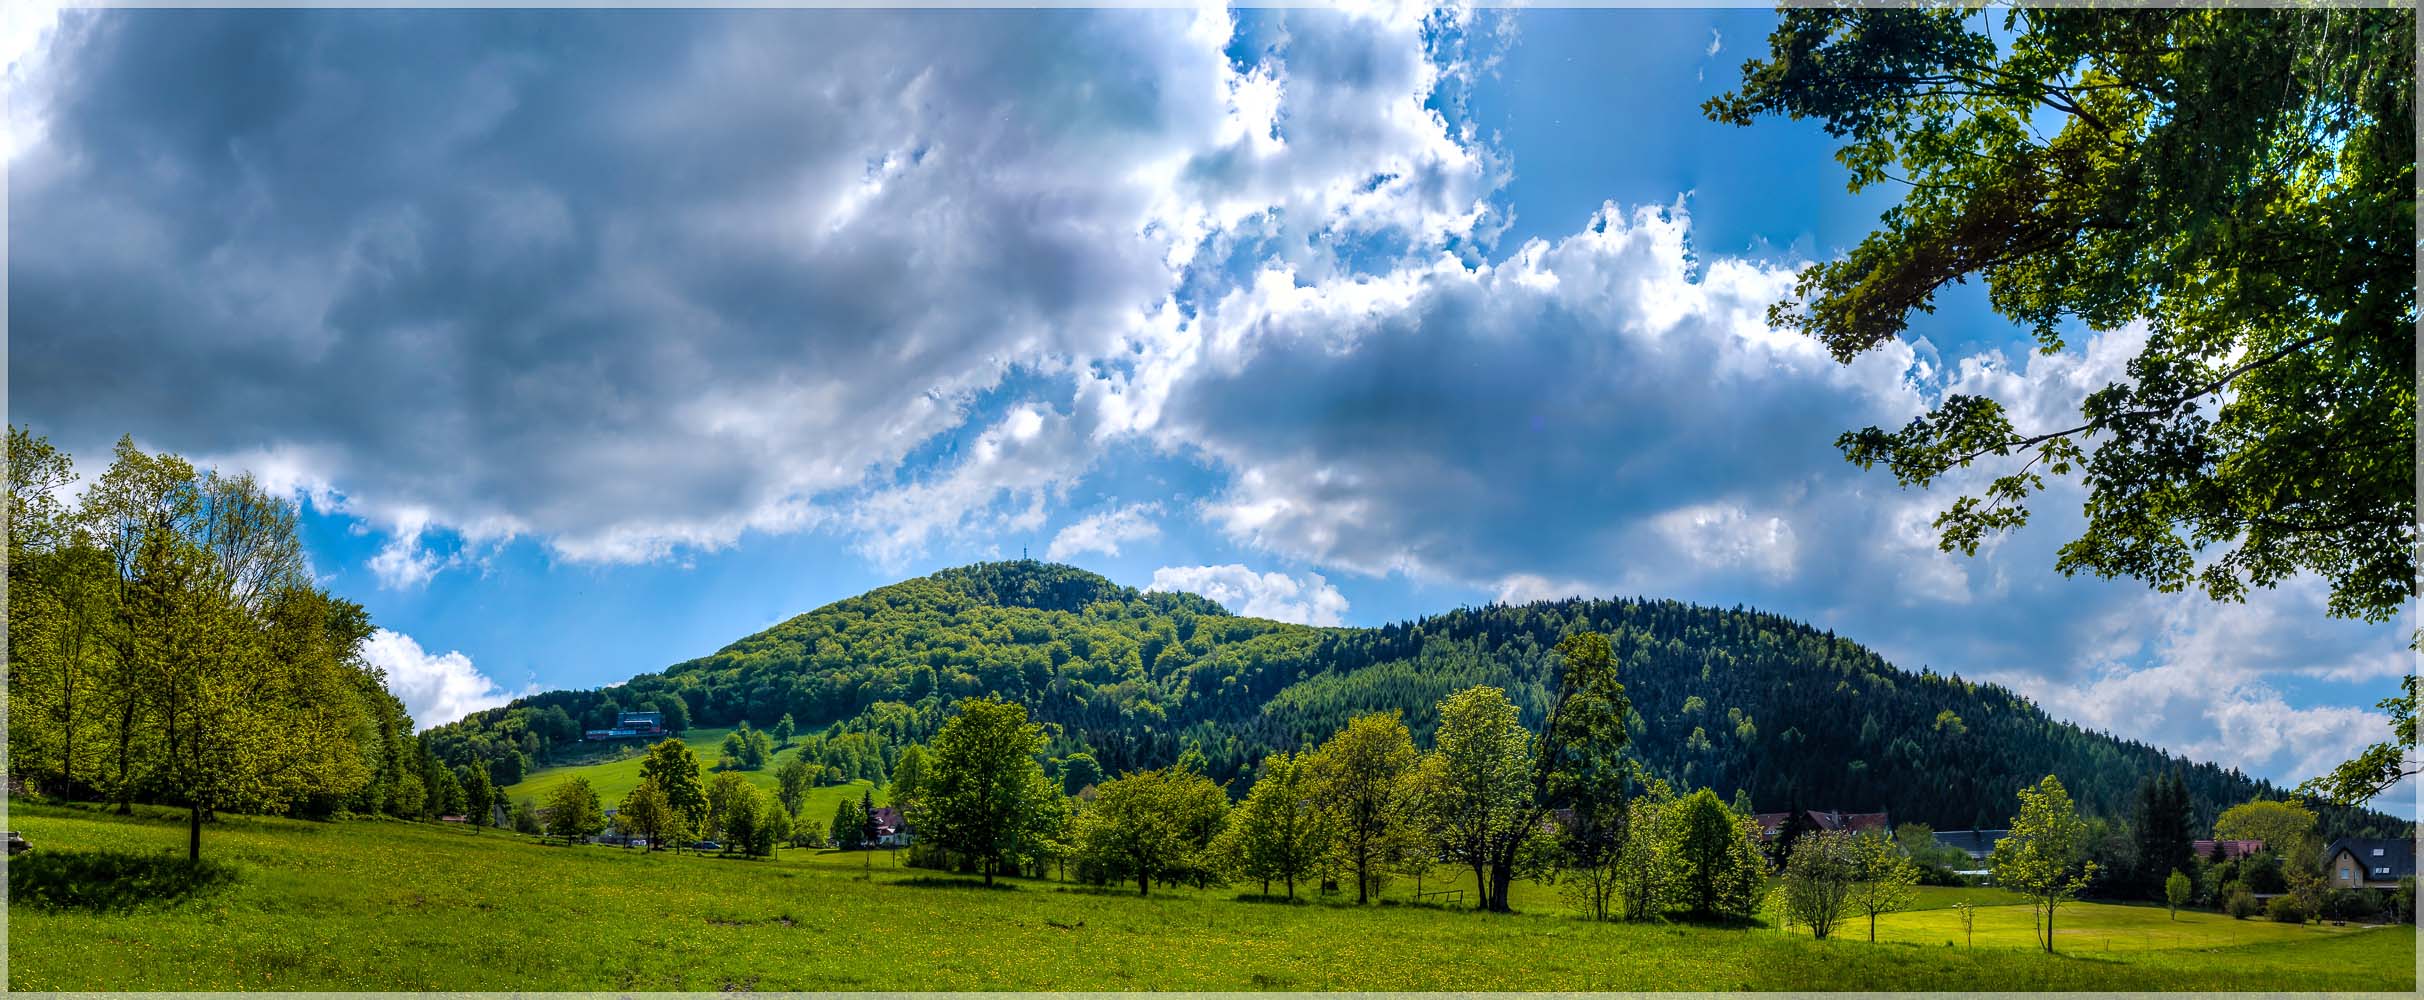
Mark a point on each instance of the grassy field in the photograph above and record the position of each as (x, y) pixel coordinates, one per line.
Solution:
(381, 905)
(614, 779)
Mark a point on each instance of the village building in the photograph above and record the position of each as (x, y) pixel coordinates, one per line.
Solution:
(2232, 850)
(2369, 863)
(631, 726)
(1772, 824)
(890, 829)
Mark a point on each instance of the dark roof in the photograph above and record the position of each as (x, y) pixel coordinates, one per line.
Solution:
(1978, 843)
(1826, 819)
(2398, 855)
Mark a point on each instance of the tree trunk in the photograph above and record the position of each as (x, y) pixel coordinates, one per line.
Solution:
(1363, 884)
(1481, 885)
(1872, 927)
(988, 873)
(1291, 886)
(1144, 884)
(193, 833)
(1501, 877)
(126, 738)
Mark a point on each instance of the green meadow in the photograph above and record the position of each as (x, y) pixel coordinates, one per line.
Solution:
(397, 906)
(612, 779)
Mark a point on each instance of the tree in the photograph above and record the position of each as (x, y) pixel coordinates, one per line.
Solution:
(732, 809)
(1079, 770)
(1578, 751)
(1884, 881)
(2286, 828)
(2041, 857)
(2175, 892)
(849, 824)
(783, 730)
(1359, 782)
(525, 818)
(479, 795)
(2373, 770)
(772, 829)
(1646, 867)
(1277, 833)
(2164, 840)
(573, 812)
(1477, 783)
(909, 775)
(1719, 865)
(645, 812)
(985, 796)
(1154, 826)
(2243, 185)
(675, 769)
(1818, 880)
(791, 785)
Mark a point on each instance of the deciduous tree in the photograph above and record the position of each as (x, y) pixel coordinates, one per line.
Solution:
(986, 797)
(2242, 185)
(2042, 857)
(1359, 781)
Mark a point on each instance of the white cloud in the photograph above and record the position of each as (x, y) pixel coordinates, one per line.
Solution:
(748, 300)
(1306, 600)
(1716, 42)
(1105, 531)
(435, 688)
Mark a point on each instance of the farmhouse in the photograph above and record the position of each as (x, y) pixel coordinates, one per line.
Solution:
(631, 726)
(890, 829)
(2368, 863)
(2231, 850)
(1771, 824)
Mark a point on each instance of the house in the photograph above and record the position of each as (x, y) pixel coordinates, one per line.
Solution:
(2368, 863)
(1772, 824)
(1975, 843)
(631, 726)
(890, 829)
(2232, 850)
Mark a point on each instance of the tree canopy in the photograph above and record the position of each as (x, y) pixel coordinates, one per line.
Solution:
(2240, 182)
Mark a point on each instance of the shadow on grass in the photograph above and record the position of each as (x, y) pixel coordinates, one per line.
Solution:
(940, 882)
(111, 881)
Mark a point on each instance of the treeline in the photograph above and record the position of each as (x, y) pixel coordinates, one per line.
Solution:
(168, 644)
(1748, 703)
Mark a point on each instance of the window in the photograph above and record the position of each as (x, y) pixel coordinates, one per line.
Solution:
(2346, 872)
(2377, 852)
(2381, 871)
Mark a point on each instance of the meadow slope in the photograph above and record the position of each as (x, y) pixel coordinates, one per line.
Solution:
(383, 905)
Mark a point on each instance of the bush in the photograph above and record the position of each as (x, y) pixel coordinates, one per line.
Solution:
(1940, 875)
(2285, 910)
(110, 881)
(2352, 904)
(2241, 904)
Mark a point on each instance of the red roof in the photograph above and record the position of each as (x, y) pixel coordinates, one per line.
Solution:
(2232, 850)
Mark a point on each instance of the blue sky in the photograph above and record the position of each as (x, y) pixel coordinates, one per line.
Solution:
(594, 341)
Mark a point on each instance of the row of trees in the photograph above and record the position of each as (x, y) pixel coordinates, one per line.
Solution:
(1364, 805)
(168, 644)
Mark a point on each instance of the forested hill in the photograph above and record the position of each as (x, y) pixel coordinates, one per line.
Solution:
(1735, 700)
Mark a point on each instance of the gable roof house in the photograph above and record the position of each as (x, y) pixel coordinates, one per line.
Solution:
(890, 829)
(1771, 824)
(2368, 863)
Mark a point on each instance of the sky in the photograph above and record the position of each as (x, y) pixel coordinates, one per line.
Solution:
(592, 341)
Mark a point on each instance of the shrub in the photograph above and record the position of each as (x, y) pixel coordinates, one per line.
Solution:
(2241, 905)
(2352, 904)
(110, 881)
(2285, 910)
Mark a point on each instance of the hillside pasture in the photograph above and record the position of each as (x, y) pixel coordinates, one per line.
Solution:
(613, 779)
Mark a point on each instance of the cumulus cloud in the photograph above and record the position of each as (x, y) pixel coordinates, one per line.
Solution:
(497, 282)
(435, 688)
(1105, 531)
(1306, 600)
